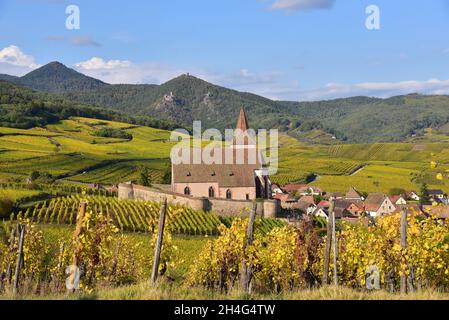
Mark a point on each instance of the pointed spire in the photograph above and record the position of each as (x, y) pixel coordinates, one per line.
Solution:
(242, 123)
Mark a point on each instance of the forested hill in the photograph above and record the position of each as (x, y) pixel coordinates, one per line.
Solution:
(187, 98)
(25, 108)
(56, 78)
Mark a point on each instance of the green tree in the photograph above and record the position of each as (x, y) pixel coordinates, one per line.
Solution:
(6, 206)
(34, 176)
(396, 191)
(424, 194)
(166, 178)
(144, 178)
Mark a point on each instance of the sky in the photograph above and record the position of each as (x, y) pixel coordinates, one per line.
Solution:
(297, 50)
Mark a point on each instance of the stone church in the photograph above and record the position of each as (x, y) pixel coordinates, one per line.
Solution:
(243, 179)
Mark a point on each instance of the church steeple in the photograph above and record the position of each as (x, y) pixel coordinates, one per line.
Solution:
(242, 122)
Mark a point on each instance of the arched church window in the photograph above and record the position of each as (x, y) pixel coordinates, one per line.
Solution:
(228, 194)
(187, 191)
(211, 192)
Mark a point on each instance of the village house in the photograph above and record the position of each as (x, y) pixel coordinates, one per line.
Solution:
(398, 200)
(321, 212)
(324, 204)
(312, 191)
(287, 201)
(275, 189)
(246, 181)
(354, 195)
(436, 195)
(333, 195)
(345, 208)
(295, 188)
(378, 204)
(282, 197)
(305, 207)
(302, 190)
(412, 195)
(307, 199)
(356, 209)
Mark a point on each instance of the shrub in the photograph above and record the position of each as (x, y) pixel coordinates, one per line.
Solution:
(6, 206)
(113, 133)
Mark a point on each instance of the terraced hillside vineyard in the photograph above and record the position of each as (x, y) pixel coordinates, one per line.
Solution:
(71, 152)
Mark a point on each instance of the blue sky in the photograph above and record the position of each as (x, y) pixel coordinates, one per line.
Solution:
(281, 49)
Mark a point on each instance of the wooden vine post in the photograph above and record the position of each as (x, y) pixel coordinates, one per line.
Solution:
(335, 247)
(19, 263)
(12, 241)
(76, 251)
(404, 248)
(327, 249)
(78, 230)
(160, 238)
(247, 269)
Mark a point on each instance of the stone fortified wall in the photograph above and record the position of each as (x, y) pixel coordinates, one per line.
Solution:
(265, 208)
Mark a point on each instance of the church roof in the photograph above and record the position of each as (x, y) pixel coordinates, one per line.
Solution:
(225, 174)
(242, 122)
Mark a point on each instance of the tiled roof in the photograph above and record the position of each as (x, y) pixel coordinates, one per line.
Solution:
(374, 201)
(324, 204)
(436, 191)
(304, 205)
(307, 199)
(353, 194)
(226, 175)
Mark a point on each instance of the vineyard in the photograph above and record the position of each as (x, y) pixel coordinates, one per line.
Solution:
(134, 216)
(124, 171)
(71, 151)
(284, 177)
(55, 189)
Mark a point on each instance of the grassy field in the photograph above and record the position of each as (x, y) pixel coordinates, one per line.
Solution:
(71, 150)
(166, 290)
(144, 291)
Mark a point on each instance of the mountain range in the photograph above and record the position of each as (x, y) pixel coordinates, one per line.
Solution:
(187, 98)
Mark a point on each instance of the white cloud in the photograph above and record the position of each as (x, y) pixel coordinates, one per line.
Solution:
(13, 55)
(124, 71)
(96, 63)
(377, 89)
(302, 4)
(15, 62)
